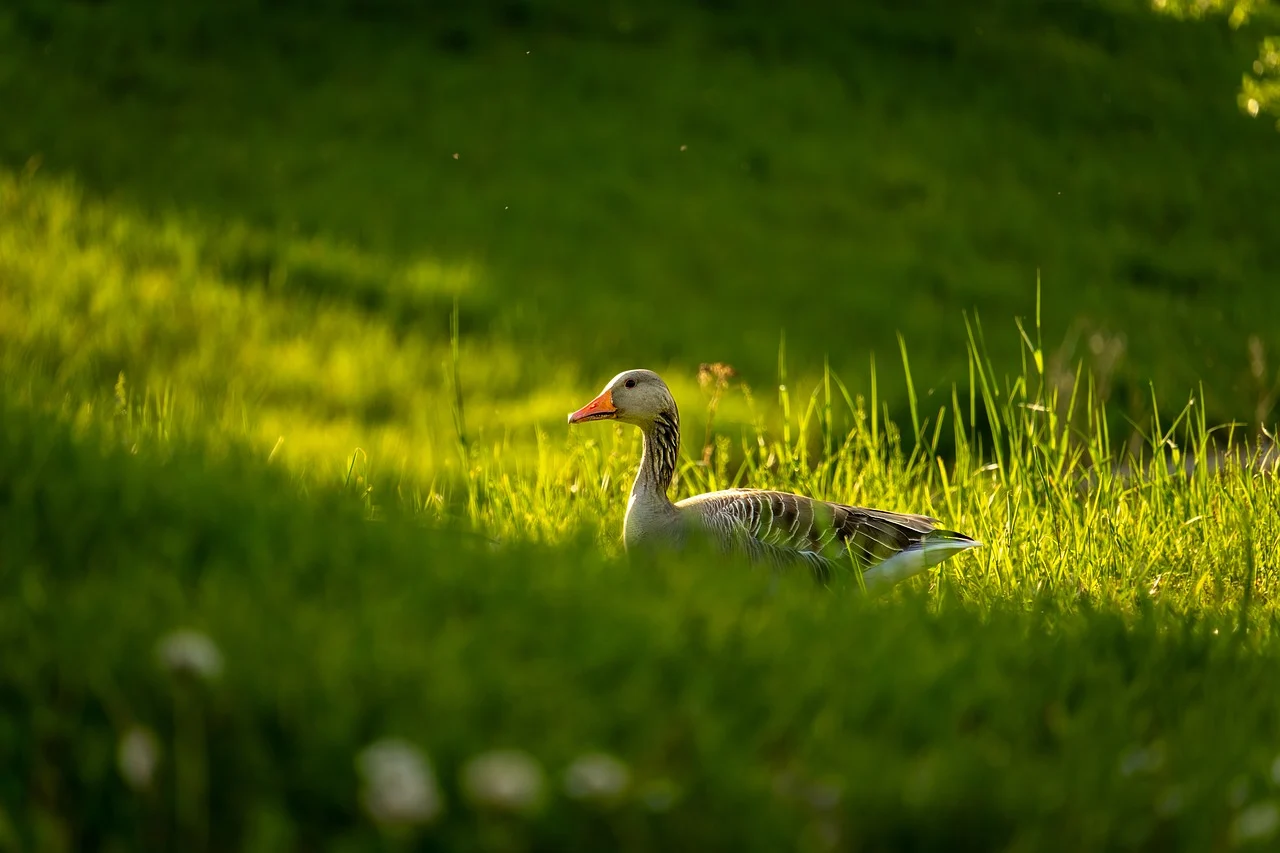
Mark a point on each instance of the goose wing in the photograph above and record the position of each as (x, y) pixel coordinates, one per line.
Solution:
(781, 527)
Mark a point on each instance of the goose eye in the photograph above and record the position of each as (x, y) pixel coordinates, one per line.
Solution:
(630, 383)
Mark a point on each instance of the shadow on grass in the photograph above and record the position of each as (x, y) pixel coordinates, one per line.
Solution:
(640, 183)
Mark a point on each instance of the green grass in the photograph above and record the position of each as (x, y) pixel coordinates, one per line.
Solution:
(1092, 677)
(842, 180)
(277, 367)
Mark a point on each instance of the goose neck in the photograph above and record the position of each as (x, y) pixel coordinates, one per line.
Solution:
(658, 461)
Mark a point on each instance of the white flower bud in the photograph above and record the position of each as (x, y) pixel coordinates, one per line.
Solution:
(189, 652)
(504, 780)
(137, 756)
(597, 777)
(1256, 823)
(400, 787)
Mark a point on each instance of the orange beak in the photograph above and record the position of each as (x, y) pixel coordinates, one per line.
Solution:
(599, 409)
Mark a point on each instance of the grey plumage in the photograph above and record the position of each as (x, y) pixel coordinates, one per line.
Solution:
(778, 528)
(781, 528)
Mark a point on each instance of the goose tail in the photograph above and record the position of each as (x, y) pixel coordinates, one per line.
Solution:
(934, 547)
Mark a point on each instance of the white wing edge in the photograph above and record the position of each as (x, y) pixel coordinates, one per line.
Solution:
(911, 562)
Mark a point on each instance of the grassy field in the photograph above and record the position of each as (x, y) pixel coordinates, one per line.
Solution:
(1093, 677)
(619, 187)
(293, 304)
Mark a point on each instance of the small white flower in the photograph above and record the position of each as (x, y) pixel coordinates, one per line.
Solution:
(507, 780)
(399, 785)
(137, 756)
(189, 652)
(1256, 823)
(596, 776)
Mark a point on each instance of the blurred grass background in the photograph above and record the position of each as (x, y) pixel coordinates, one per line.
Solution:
(636, 184)
(271, 271)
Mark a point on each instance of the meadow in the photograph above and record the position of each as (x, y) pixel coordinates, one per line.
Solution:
(293, 304)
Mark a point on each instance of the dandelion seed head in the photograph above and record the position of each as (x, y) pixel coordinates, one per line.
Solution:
(507, 780)
(596, 776)
(187, 652)
(399, 785)
(1259, 822)
(137, 756)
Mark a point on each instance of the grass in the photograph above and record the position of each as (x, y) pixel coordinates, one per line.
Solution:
(1064, 687)
(840, 183)
(296, 379)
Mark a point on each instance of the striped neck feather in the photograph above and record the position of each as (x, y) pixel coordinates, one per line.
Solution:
(661, 451)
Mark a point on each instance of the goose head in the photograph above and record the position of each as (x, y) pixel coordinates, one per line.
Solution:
(635, 397)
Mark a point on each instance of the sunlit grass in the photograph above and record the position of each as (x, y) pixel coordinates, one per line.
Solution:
(842, 180)
(129, 325)
(1087, 654)
(231, 440)
(1190, 518)
(93, 293)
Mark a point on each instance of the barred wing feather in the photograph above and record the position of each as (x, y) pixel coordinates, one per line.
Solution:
(781, 528)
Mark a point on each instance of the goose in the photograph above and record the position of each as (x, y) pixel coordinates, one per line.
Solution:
(778, 528)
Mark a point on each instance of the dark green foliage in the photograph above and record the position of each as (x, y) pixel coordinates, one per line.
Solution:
(776, 713)
(849, 172)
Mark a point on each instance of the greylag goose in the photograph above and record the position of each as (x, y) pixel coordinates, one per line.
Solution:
(774, 527)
